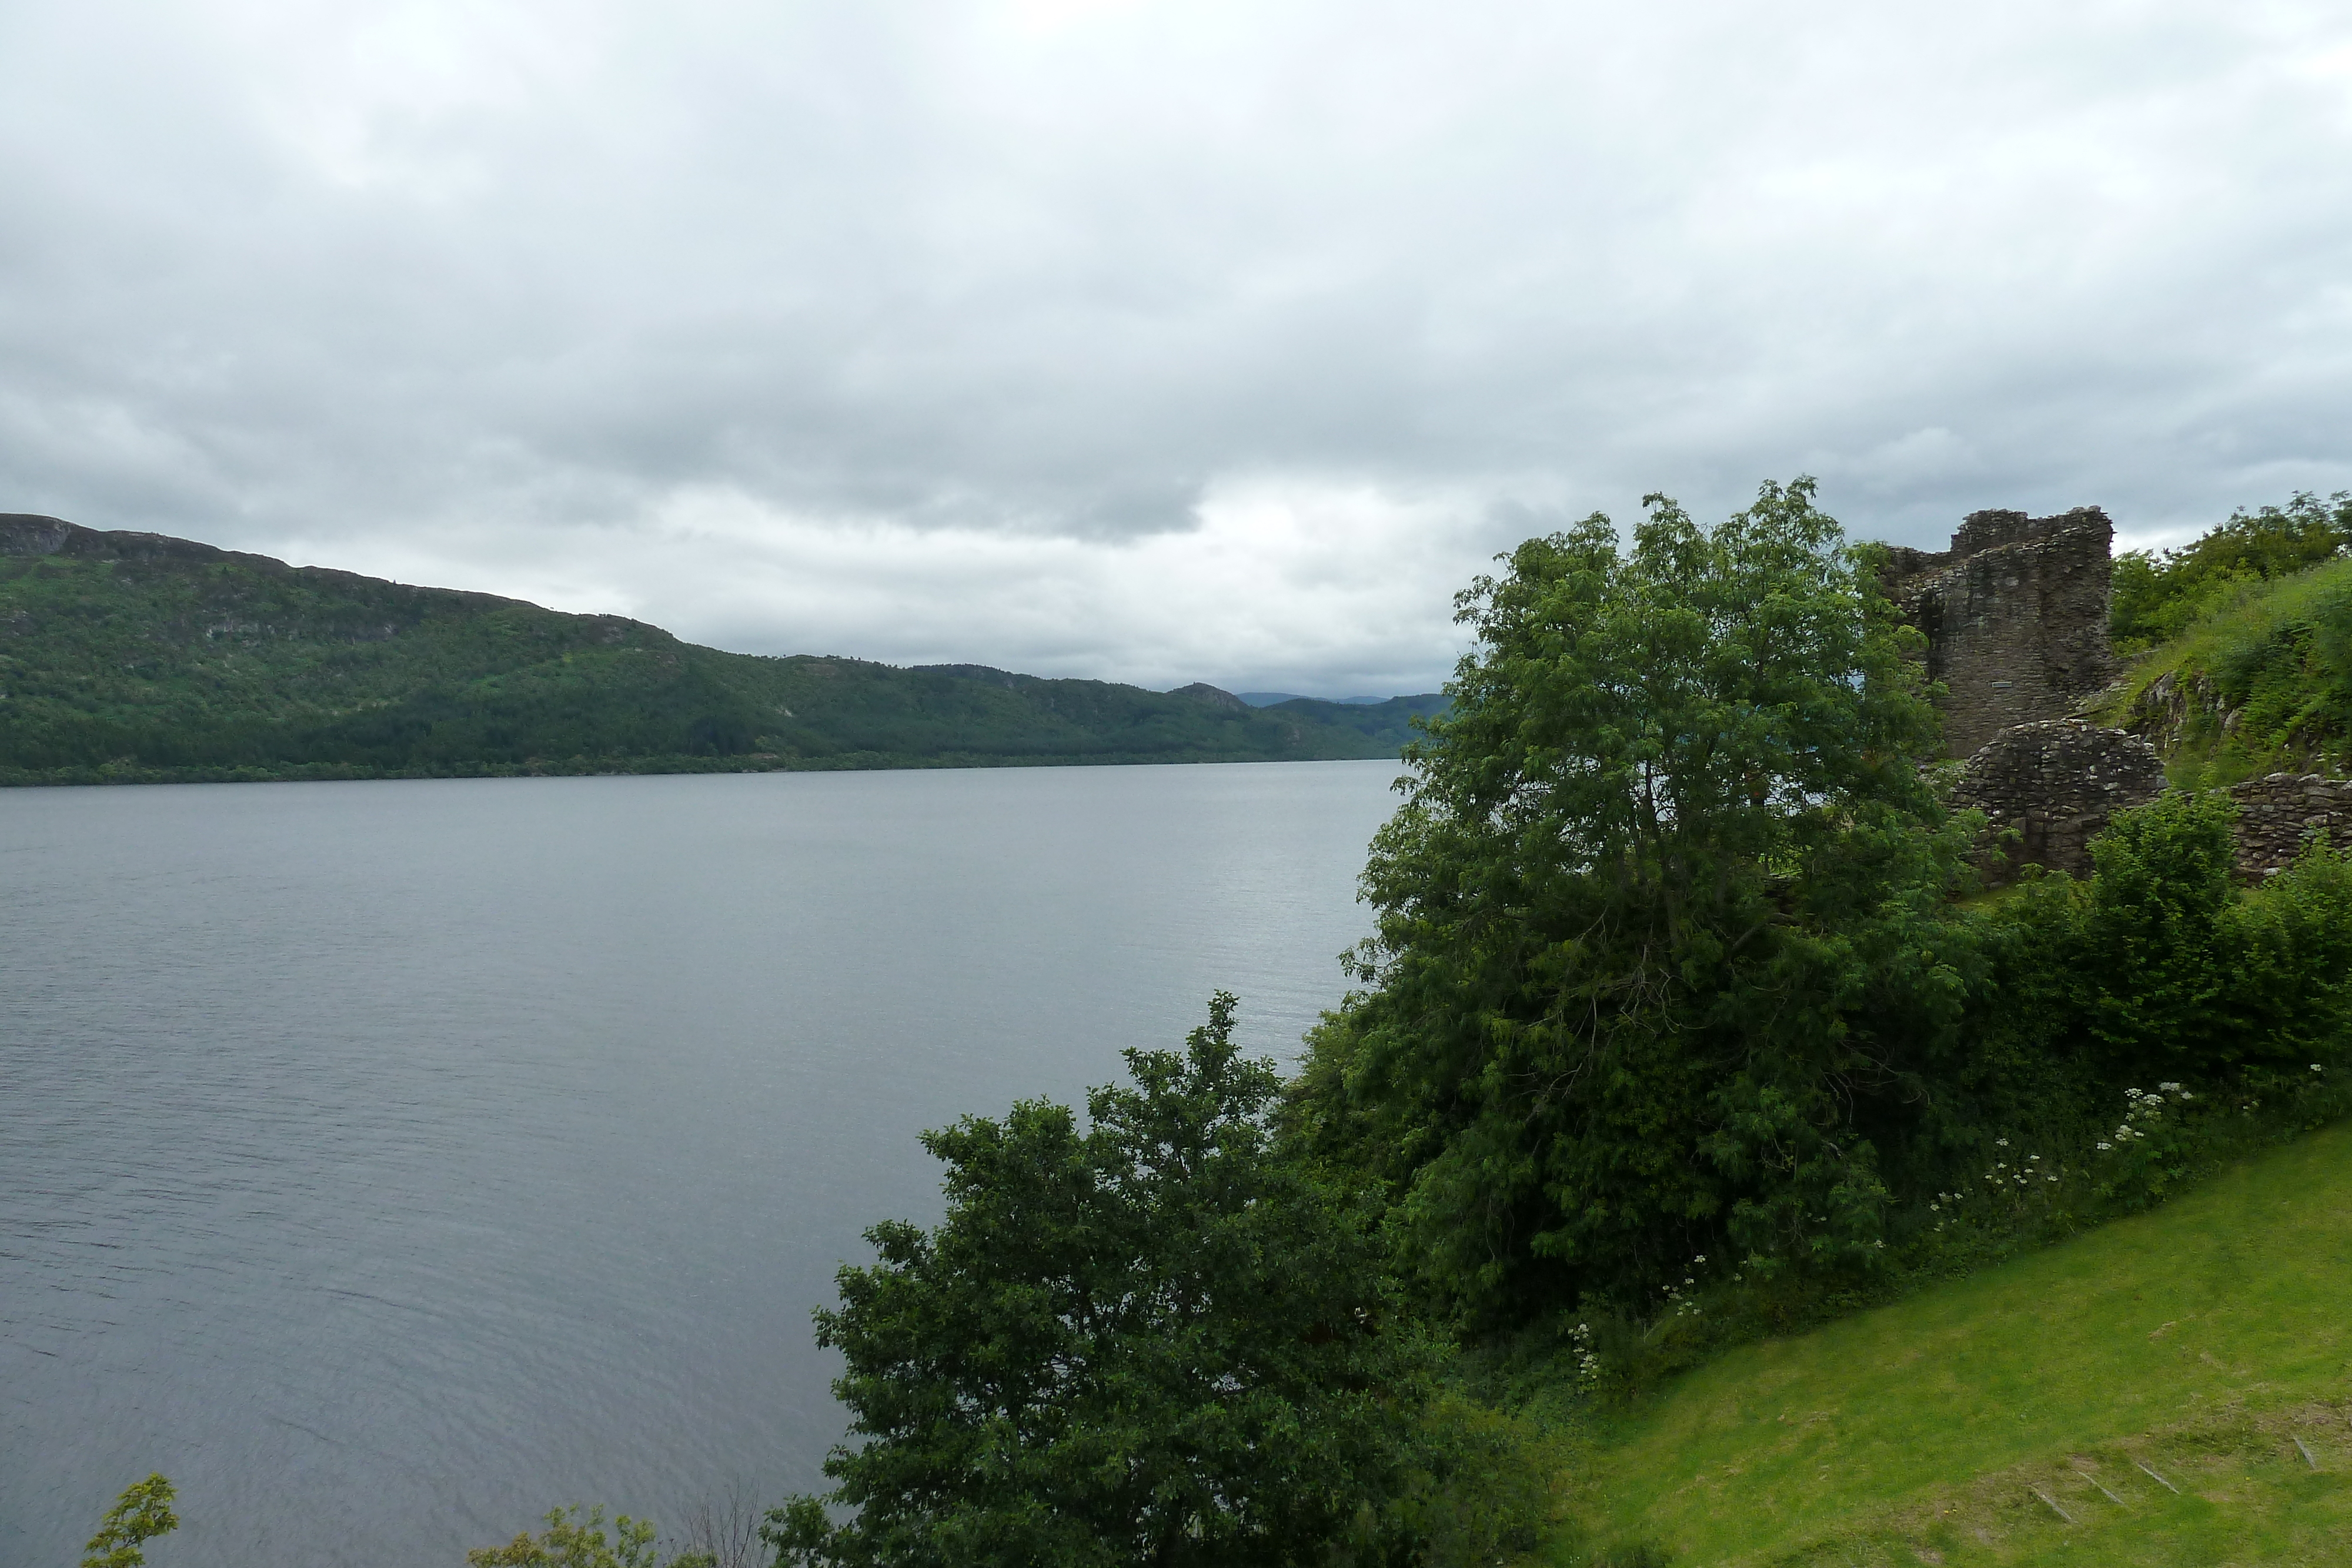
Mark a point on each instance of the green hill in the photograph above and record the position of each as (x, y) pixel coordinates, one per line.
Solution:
(136, 656)
(2244, 645)
(2205, 1342)
(2258, 682)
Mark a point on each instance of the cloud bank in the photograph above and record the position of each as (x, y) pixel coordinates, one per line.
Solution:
(1158, 342)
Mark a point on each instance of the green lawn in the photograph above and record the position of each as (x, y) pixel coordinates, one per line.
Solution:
(2202, 1340)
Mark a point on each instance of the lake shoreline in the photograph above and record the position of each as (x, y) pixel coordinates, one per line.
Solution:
(608, 767)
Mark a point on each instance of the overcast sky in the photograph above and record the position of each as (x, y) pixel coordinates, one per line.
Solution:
(1151, 342)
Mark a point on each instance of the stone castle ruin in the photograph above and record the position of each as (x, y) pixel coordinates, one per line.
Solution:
(2016, 618)
(2015, 615)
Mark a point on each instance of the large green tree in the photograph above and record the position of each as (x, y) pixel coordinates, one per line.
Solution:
(1662, 962)
(1153, 1340)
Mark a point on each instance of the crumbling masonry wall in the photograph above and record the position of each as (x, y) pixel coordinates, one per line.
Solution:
(2016, 618)
(2054, 782)
(2277, 815)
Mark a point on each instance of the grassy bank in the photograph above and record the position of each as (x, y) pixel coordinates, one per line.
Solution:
(2202, 1340)
(2261, 681)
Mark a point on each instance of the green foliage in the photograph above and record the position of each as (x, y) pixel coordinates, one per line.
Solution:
(2159, 966)
(2247, 638)
(1482, 1488)
(1154, 1340)
(571, 1541)
(141, 1513)
(2155, 1145)
(2262, 684)
(195, 663)
(2154, 944)
(2156, 598)
(1665, 961)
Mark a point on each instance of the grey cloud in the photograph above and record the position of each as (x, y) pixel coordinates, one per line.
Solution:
(503, 294)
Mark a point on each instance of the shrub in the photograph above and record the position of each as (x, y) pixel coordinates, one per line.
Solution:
(571, 1541)
(2160, 967)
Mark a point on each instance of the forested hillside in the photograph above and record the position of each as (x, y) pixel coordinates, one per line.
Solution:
(128, 656)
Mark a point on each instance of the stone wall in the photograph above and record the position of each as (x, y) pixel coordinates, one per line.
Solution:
(2056, 782)
(2278, 813)
(2016, 618)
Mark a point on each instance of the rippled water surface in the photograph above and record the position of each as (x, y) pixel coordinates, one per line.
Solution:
(388, 1162)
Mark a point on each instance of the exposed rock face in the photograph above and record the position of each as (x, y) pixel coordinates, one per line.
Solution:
(30, 534)
(2056, 781)
(2279, 814)
(2016, 618)
(27, 533)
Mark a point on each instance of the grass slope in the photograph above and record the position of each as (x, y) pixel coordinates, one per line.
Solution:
(2261, 681)
(141, 657)
(2201, 1340)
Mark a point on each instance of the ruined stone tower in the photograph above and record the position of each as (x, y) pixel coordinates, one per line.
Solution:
(2016, 618)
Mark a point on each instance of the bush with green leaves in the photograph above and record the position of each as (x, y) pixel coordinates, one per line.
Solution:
(1153, 1338)
(1665, 964)
(573, 1540)
(141, 1513)
(2159, 966)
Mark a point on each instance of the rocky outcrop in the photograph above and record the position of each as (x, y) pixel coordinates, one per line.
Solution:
(27, 533)
(2054, 783)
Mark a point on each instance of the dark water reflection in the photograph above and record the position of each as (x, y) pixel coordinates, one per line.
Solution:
(387, 1161)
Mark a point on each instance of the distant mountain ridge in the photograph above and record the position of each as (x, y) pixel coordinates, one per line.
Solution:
(1268, 699)
(140, 656)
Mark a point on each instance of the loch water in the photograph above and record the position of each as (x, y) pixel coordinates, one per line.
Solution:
(388, 1162)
